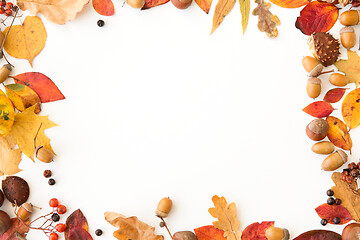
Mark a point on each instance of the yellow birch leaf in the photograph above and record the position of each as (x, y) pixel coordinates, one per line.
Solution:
(9, 158)
(245, 13)
(227, 219)
(351, 109)
(24, 130)
(26, 41)
(223, 7)
(7, 114)
(351, 67)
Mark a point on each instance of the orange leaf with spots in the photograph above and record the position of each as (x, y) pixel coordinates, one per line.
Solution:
(329, 212)
(351, 109)
(290, 3)
(319, 109)
(334, 95)
(209, 233)
(338, 133)
(204, 5)
(256, 231)
(153, 3)
(103, 7)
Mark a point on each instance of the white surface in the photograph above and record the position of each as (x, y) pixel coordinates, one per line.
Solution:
(156, 107)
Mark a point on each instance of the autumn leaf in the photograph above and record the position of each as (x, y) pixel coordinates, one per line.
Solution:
(338, 133)
(79, 234)
(26, 41)
(76, 220)
(153, 3)
(24, 130)
(329, 212)
(245, 13)
(349, 195)
(227, 219)
(17, 230)
(317, 17)
(267, 21)
(290, 3)
(41, 84)
(351, 109)
(131, 228)
(7, 114)
(351, 67)
(204, 5)
(209, 233)
(319, 235)
(9, 158)
(334, 95)
(256, 231)
(56, 11)
(103, 7)
(223, 7)
(23, 97)
(319, 109)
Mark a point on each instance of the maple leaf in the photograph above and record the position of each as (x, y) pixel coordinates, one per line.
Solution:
(7, 114)
(56, 11)
(27, 124)
(9, 158)
(351, 67)
(131, 228)
(227, 219)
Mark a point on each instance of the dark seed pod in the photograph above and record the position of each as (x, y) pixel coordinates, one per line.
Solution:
(16, 190)
(324, 47)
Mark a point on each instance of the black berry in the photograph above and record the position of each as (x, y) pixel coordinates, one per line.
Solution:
(323, 222)
(55, 217)
(162, 224)
(336, 220)
(47, 173)
(330, 201)
(338, 201)
(100, 23)
(51, 181)
(98, 232)
(330, 193)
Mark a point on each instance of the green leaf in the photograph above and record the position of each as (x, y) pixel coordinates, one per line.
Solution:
(245, 13)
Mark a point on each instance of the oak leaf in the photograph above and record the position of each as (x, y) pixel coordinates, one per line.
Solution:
(334, 95)
(27, 124)
(26, 41)
(17, 230)
(204, 5)
(267, 21)
(103, 7)
(227, 219)
(56, 11)
(209, 233)
(245, 13)
(131, 228)
(338, 133)
(222, 9)
(319, 235)
(256, 231)
(329, 212)
(290, 3)
(9, 158)
(351, 67)
(351, 109)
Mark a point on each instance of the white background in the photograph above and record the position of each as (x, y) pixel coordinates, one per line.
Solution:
(157, 107)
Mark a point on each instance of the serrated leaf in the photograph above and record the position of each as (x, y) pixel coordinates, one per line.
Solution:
(351, 67)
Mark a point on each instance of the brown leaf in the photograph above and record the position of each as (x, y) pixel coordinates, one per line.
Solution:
(76, 220)
(223, 7)
(16, 230)
(267, 21)
(351, 109)
(351, 67)
(131, 228)
(9, 158)
(338, 133)
(227, 219)
(79, 233)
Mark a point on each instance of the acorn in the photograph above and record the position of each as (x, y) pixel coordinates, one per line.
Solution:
(312, 66)
(25, 211)
(4, 72)
(350, 18)
(5, 222)
(184, 235)
(324, 147)
(164, 207)
(324, 47)
(334, 161)
(313, 87)
(136, 3)
(348, 37)
(275, 233)
(16, 190)
(317, 129)
(44, 154)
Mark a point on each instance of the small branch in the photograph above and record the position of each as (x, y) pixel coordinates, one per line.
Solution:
(166, 226)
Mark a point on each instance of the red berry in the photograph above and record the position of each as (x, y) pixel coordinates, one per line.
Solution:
(2, 10)
(9, 5)
(54, 202)
(8, 12)
(53, 236)
(60, 227)
(3, 3)
(61, 209)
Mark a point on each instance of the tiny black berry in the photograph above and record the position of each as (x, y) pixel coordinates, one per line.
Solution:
(338, 201)
(323, 222)
(162, 224)
(330, 193)
(336, 220)
(330, 201)
(51, 181)
(98, 232)
(55, 217)
(47, 173)
(100, 23)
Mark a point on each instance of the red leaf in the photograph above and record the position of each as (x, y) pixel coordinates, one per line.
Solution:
(334, 95)
(79, 233)
(329, 212)
(319, 235)
(256, 231)
(317, 17)
(209, 233)
(104, 7)
(153, 3)
(17, 227)
(290, 3)
(76, 220)
(41, 84)
(319, 109)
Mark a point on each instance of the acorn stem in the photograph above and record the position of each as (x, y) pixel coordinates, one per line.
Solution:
(330, 71)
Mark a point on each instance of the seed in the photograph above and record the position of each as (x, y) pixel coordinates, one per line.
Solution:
(323, 222)
(162, 224)
(334, 161)
(330, 201)
(55, 217)
(100, 23)
(338, 201)
(349, 18)
(47, 173)
(98, 232)
(163, 207)
(336, 220)
(51, 182)
(313, 87)
(324, 147)
(338, 80)
(330, 193)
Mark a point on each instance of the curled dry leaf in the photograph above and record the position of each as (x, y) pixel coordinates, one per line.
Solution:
(329, 212)
(319, 109)
(256, 231)
(222, 9)
(204, 5)
(334, 95)
(9, 158)
(17, 230)
(319, 235)
(351, 109)
(290, 3)
(227, 219)
(103, 7)
(209, 233)
(7, 114)
(317, 17)
(76, 220)
(267, 21)
(245, 13)
(351, 67)
(56, 11)
(338, 133)
(26, 41)
(153, 3)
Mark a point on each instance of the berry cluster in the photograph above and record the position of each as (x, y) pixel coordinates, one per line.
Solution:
(48, 174)
(352, 173)
(7, 8)
(331, 201)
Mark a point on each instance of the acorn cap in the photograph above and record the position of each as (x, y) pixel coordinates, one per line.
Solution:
(324, 47)
(314, 80)
(343, 155)
(7, 66)
(347, 30)
(316, 71)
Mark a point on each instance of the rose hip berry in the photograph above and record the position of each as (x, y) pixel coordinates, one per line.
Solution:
(61, 209)
(54, 202)
(60, 227)
(53, 236)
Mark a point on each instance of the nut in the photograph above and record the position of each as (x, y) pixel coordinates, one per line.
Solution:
(164, 207)
(274, 233)
(349, 18)
(325, 147)
(348, 37)
(338, 80)
(184, 235)
(317, 129)
(44, 154)
(313, 87)
(324, 47)
(334, 161)
(312, 66)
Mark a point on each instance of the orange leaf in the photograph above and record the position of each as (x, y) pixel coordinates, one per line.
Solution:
(256, 231)
(317, 17)
(329, 212)
(338, 133)
(209, 233)
(290, 3)
(204, 5)
(103, 7)
(351, 109)
(153, 3)
(334, 95)
(319, 109)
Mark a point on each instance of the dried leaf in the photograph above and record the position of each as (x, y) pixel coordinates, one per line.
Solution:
(26, 41)
(209, 233)
(56, 11)
(351, 67)
(227, 219)
(76, 220)
(351, 109)
(349, 195)
(317, 17)
(290, 3)
(223, 7)
(245, 13)
(256, 231)
(329, 212)
(41, 84)
(17, 230)
(204, 5)
(131, 228)
(24, 130)
(79, 233)
(23, 97)
(319, 235)
(103, 7)
(153, 3)
(267, 21)
(9, 158)
(338, 133)
(7, 114)
(334, 95)
(319, 109)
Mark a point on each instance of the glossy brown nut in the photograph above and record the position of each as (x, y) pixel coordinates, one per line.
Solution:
(325, 147)
(317, 129)
(338, 79)
(275, 233)
(5, 222)
(351, 232)
(334, 161)
(181, 4)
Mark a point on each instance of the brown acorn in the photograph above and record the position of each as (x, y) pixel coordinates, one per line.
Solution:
(324, 47)
(16, 190)
(44, 154)
(25, 211)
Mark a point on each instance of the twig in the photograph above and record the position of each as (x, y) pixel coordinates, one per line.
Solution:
(165, 226)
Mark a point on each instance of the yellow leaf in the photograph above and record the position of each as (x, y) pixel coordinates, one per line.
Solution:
(9, 158)
(7, 114)
(227, 219)
(351, 109)
(56, 11)
(351, 67)
(23, 97)
(223, 7)
(27, 40)
(24, 130)
(245, 13)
